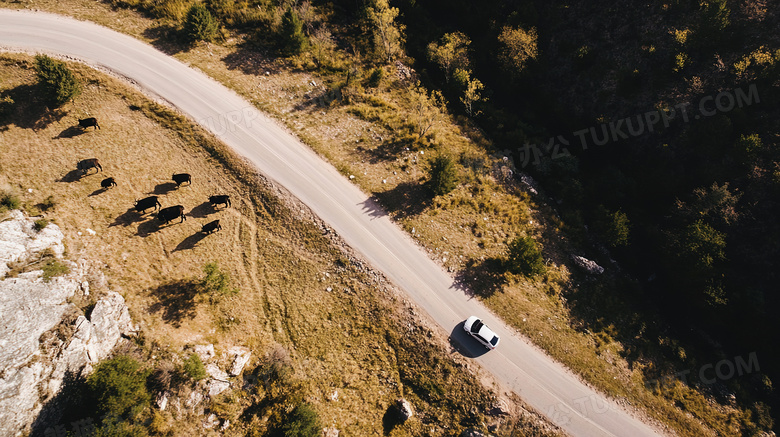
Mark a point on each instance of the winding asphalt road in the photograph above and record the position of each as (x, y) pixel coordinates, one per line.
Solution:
(541, 382)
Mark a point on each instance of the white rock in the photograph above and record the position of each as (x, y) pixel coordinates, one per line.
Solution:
(162, 400)
(333, 397)
(225, 425)
(404, 409)
(211, 421)
(204, 351)
(587, 265)
(330, 432)
(90, 231)
(240, 356)
(352, 176)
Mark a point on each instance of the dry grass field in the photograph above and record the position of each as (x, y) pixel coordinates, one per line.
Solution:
(346, 331)
(465, 230)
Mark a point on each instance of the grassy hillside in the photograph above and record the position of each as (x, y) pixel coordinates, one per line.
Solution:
(354, 345)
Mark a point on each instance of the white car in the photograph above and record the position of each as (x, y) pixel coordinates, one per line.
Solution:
(474, 326)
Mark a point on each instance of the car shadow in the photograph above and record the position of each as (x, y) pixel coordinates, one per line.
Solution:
(465, 344)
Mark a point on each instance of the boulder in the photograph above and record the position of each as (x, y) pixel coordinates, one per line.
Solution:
(239, 356)
(330, 432)
(205, 351)
(218, 382)
(405, 409)
(587, 265)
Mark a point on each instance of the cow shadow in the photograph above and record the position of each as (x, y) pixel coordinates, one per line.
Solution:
(482, 278)
(71, 176)
(127, 218)
(175, 301)
(203, 210)
(98, 191)
(190, 242)
(72, 131)
(463, 343)
(148, 227)
(164, 188)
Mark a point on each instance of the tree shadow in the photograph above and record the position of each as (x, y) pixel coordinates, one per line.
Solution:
(203, 210)
(406, 199)
(164, 188)
(29, 111)
(70, 132)
(465, 344)
(190, 242)
(386, 151)
(320, 99)
(71, 176)
(482, 278)
(69, 405)
(175, 301)
(249, 57)
(127, 218)
(167, 39)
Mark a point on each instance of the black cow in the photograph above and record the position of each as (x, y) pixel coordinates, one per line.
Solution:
(89, 122)
(167, 214)
(211, 227)
(222, 199)
(86, 164)
(144, 204)
(108, 183)
(181, 178)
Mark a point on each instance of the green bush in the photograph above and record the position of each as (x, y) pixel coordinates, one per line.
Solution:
(200, 25)
(9, 201)
(194, 368)
(292, 38)
(41, 223)
(302, 422)
(216, 282)
(48, 203)
(524, 257)
(613, 227)
(52, 268)
(375, 79)
(59, 83)
(442, 174)
(119, 387)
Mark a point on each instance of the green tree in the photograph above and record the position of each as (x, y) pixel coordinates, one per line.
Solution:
(517, 47)
(388, 35)
(199, 24)
(470, 87)
(613, 227)
(59, 83)
(714, 18)
(194, 367)
(524, 257)
(216, 282)
(427, 109)
(294, 42)
(119, 387)
(701, 247)
(442, 174)
(302, 422)
(451, 52)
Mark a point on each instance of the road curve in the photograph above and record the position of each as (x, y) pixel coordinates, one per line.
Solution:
(541, 382)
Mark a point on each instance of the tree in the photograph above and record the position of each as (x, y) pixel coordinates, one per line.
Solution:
(524, 257)
(471, 88)
(450, 53)
(293, 40)
(119, 387)
(613, 227)
(388, 37)
(517, 47)
(59, 83)
(442, 174)
(199, 24)
(427, 109)
(302, 422)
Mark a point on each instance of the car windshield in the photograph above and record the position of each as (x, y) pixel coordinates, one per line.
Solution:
(494, 341)
(477, 326)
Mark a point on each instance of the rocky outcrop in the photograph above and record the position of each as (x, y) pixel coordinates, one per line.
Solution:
(588, 265)
(239, 357)
(405, 409)
(33, 311)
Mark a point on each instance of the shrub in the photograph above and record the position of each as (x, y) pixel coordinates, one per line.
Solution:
(48, 203)
(119, 387)
(614, 227)
(292, 38)
(52, 268)
(375, 79)
(302, 422)
(59, 83)
(200, 25)
(9, 201)
(216, 282)
(442, 174)
(524, 257)
(40, 224)
(194, 368)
